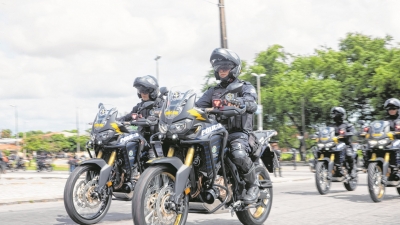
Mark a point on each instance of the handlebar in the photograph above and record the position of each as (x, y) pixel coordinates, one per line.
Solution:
(227, 111)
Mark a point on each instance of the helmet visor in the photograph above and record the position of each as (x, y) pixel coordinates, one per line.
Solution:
(144, 90)
(223, 66)
(391, 107)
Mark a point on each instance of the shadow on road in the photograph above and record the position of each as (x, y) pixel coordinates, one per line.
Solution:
(216, 221)
(110, 217)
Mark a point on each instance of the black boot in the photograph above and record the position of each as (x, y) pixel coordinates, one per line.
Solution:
(253, 192)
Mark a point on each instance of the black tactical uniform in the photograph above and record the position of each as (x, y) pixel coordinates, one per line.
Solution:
(237, 126)
(393, 104)
(338, 114)
(147, 85)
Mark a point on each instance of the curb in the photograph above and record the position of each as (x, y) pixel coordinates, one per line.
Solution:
(31, 201)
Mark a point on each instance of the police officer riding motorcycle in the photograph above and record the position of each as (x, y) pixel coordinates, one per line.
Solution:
(227, 67)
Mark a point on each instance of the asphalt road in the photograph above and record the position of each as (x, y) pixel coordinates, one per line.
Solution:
(296, 201)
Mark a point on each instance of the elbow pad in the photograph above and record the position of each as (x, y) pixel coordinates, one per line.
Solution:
(251, 106)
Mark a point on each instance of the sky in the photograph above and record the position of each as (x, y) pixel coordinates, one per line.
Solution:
(59, 59)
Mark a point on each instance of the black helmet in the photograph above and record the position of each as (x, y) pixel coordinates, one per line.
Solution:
(392, 103)
(338, 112)
(146, 84)
(226, 59)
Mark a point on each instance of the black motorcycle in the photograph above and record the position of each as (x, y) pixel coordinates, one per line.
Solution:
(197, 168)
(328, 167)
(118, 153)
(381, 148)
(42, 165)
(20, 165)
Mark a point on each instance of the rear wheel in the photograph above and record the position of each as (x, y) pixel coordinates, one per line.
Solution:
(151, 203)
(375, 187)
(321, 178)
(258, 215)
(81, 202)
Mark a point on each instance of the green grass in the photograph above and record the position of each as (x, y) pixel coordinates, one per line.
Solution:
(55, 168)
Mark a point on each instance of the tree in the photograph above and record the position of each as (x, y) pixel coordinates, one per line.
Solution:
(6, 133)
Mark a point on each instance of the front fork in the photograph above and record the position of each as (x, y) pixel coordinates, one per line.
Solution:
(331, 162)
(385, 165)
(183, 172)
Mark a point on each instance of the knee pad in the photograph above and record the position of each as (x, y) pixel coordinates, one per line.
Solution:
(240, 158)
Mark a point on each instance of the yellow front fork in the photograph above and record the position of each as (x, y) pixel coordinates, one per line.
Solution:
(189, 156)
(171, 151)
(112, 158)
(100, 154)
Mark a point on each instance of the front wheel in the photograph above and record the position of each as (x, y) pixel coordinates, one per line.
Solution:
(321, 178)
(375, 187)
(151, 203)
(83, 204)
(258, 215)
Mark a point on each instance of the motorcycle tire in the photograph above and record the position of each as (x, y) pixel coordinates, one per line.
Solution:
(398, 190)
(149, 196)
(82, 196)
(321, 181)
(375, 187)
(259, 215)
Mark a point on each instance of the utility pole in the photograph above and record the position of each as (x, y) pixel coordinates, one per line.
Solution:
(16, 124)
(259, 106)
(303, 130)
(157, 58)
(224, 39)
(77, 129)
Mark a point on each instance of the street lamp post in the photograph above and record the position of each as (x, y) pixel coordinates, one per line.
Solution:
(260, 113)
(157, 58)
(25, 139)
(16, 124)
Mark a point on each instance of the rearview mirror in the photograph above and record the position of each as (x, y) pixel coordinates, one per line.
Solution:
(146, 105)
(163, 91)
(100, 105)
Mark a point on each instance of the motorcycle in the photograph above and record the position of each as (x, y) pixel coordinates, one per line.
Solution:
(328, 167)
(43, 165)
(381, 148)
(118, 154)
(20, 165)
(197, 168)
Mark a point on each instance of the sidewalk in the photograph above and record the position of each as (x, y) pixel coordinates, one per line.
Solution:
(31, 186)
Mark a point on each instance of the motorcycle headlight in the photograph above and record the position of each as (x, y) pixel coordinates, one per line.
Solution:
(177, 127)
(180, 126)
(163, 127)
(330, 144)
(105, 135)
(372, 142)
(383, 141)
(321, 145)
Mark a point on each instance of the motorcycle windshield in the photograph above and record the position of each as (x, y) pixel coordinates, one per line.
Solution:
(176, 100)
(103, 119)
(326, 134)
(379, 128)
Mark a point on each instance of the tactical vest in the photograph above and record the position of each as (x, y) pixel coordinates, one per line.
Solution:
(240, 123)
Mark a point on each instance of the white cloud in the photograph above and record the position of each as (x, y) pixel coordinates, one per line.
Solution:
(56, 56)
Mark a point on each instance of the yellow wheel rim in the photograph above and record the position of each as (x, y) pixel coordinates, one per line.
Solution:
(178, 219)
(259, 212)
